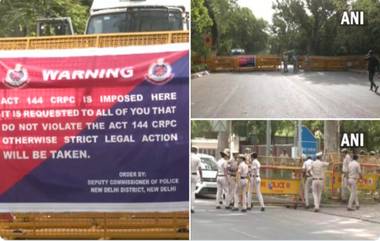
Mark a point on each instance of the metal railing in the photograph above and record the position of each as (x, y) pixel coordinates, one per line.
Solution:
(96, 226)
(94, 41)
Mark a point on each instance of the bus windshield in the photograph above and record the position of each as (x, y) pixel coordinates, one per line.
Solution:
(137, 20)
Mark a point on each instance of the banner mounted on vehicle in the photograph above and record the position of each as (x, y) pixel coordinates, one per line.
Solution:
(95, 129)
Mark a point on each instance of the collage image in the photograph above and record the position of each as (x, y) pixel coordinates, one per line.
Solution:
(190, 120)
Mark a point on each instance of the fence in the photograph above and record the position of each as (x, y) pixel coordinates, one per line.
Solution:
(283, 177)
(94, 41)
(274, 63)
(96, 226)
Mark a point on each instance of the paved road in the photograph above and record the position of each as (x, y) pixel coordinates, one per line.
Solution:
(277, 223)
(277, 95)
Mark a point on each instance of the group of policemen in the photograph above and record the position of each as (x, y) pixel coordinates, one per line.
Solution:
(239, 175)
(314, 175)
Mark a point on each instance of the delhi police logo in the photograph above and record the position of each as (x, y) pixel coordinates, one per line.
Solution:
(160, 73)
(17, 77)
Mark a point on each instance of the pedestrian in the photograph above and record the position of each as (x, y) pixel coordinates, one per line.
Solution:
(285, 60)
(221, 180)
(243, 185)
(346, 161)
(373, 64)
(255, 183)
(196, 174)
(317, 171)
(295, 63)
(354, 173)
(308, 179)
(232, 168)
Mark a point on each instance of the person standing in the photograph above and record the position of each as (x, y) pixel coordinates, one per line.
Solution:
(346, 161)
(373, 64)
(308, 179)
(196, 174)
(221, 179)
(255, 183)
(243, 185)
(354, 173)
(317, 171)
(232, 168)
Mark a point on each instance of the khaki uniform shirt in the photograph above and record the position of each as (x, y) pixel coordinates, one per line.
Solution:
(354, 170)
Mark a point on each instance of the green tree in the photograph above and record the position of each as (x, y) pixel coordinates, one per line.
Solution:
(18, 17)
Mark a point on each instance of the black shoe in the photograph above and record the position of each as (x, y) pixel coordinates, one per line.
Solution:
(235, 209)
(350, 209)
(220, 202)
(377, 87)
(192, 211)
(217, 207)
(227, 207)
(262, 209)
(316, 210)
(249, 209)
(244, 210)
(357, 207)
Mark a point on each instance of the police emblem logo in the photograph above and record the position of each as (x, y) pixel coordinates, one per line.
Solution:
(160, 73)
(17, 77)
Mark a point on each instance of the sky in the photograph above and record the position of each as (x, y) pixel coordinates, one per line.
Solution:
(260, 8)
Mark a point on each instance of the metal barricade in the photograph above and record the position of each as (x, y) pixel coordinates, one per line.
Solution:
(94, 41)
(96, 226)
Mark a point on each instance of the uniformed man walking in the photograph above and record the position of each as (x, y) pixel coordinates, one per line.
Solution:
(308, 179)
(243, 185)
(221, 180)
(354, 173)
(317, 171)
(373, 65)
(196, 173)
(232, 168)
(255, 183)
(346, 161)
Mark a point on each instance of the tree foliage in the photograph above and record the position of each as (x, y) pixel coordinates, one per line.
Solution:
(18, 17)
(231, 27)
(313, 27)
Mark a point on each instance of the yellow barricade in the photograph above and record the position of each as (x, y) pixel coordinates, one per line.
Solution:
(94, 41)
(280, 187)
(96, 226)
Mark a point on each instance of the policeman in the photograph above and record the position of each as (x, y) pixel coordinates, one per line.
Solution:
(373, 64)
(196, 173)
(221, 179)
(255, 183)
(243, 185)
(232, 168)
(285, 60)
(346, 160)
(317, 171)
(354, 173)
(308, 178)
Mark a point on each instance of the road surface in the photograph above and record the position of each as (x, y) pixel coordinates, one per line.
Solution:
(276, 223)
(278, 95)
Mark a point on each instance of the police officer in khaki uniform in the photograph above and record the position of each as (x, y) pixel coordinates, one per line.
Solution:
(255, 183)
(243, 185)
(196, 173)
(346, 161)
(354, 173)
(317, 171)
(221, 180)
(308, 178)
(232, 168)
